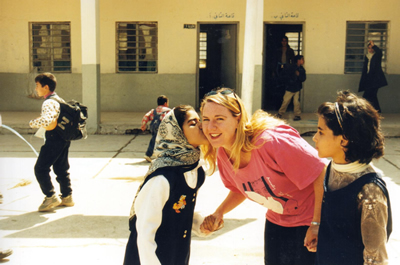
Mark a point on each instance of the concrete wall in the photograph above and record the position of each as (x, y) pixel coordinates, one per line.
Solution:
(319, 88)
(15, 88)
(324, 47)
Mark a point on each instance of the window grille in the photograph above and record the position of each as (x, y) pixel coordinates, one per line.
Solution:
(358, 34)
(136, 47)
(295, 42)
(203, 50)
(50, 46)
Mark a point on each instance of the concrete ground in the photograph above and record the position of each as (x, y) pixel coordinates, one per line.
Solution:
(106, 171)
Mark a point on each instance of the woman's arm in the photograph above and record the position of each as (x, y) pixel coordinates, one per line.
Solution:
(311, 239)
(213, 222)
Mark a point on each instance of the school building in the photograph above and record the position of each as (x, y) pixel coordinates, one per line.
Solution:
(120, 55)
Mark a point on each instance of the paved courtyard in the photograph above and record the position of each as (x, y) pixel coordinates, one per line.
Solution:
(106, 171)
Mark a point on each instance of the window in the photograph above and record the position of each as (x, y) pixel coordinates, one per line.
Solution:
(295, 41)
(203, 50)
(50, 46)
(357, 37)
(136, 47)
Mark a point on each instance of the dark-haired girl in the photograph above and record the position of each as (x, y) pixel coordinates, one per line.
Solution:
(355, 216)
(162, 212)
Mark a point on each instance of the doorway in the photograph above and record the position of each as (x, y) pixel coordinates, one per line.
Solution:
(217, 58)
(273, 89)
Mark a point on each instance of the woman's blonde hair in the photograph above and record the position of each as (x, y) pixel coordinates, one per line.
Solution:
(246, 131)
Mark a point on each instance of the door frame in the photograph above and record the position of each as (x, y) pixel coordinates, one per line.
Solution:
(265, 39)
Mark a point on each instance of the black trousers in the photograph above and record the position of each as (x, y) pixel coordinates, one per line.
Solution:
(53, 153)
(285, 245)
(371, 94)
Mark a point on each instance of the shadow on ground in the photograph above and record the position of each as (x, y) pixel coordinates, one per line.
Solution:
(83, 226)
(74, 226)
(229, 225)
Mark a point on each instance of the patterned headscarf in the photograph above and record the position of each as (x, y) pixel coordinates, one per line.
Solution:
(171, 149)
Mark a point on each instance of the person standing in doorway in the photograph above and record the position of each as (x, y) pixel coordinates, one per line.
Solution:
(372, 76)
(283, 57)
(294, 83)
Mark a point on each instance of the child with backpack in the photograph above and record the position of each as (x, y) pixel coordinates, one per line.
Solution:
(55, 150)
(155, 117)
(356, 215)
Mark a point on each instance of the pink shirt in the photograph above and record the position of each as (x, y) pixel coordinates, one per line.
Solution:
(279, 176)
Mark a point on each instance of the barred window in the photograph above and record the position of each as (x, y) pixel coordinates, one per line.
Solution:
(203, 50)
(50, 46)
(136, 47)
(295, 41)
(358, 35)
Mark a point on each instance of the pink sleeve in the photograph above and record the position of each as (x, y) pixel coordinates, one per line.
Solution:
(292, 155)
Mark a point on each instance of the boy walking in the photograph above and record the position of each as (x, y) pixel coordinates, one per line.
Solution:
(55, 150)
(294, 83)
(155, 116)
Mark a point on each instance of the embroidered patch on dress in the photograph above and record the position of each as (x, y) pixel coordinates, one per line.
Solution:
(180, 204)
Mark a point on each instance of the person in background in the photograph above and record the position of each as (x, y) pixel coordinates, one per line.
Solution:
(282, 58)
(356, 215)
(268, 162)
(54, 152)
(296, 75)
(372, 76)
(155, 117)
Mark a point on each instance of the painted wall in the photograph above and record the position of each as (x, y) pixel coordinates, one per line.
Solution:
(324, 47)
(14, 30)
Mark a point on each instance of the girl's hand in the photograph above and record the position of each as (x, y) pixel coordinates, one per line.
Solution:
(311, 239)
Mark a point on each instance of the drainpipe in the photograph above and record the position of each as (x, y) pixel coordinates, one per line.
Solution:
(251, 91)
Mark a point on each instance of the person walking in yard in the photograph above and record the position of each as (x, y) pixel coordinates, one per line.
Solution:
(54, 152)
(155, 117)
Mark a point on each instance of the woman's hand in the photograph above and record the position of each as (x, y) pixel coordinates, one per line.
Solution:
(371, 43)
(215, 221)
(212, 223)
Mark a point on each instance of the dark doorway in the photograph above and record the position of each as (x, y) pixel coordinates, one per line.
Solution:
(273, 89)
(216, 57)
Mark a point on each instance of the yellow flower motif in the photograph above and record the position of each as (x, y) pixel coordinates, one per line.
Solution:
(180, 205)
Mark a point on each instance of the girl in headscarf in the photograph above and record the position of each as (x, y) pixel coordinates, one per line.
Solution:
(162, 212)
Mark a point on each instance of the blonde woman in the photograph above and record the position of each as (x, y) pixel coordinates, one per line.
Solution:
(266, 161)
